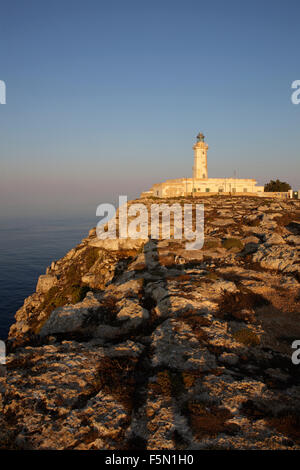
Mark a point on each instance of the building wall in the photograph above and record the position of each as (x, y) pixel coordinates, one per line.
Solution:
(281, 195)
(183, 186)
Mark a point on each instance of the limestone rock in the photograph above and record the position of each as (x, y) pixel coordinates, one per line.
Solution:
(274, 239)
(222, 222)
(294, 239)
(176, 346)
(276, 257)
(169, 348)
(45, 282)
(229, 358)
(70, 318)
(133, 312)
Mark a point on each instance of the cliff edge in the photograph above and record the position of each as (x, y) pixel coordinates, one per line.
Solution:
(142, 344)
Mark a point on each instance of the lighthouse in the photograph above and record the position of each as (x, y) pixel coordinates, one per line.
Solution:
(200, 158)
(200, 184)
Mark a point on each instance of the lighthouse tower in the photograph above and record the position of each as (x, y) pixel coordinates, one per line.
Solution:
(200, 158)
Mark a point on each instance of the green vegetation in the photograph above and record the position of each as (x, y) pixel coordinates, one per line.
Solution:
(232, 243)
(91, 257)
(213, 276)
(72, 289)
(73, 274)
(209, 244)
(79, 293)
(56, 297)
(277, 186)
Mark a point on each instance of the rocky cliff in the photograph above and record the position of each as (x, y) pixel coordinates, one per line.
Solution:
(141, 344)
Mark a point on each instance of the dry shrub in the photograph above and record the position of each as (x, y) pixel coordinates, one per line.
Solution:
(212, 276)
(181, 277)
(232, 243)
(91, 257)
(79, 293)
(252, 223)
(288, 425)
(209, 422)
(247, 337)
(116, 378)
(189, 378)
(167, 259)
(162, 385)
(210, 244)
(233, 304)
(285, 219)
(20, 362)
(73, 274)
(58, 297)
(195, 322)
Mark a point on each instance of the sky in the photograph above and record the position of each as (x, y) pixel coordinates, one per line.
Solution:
(107, 97)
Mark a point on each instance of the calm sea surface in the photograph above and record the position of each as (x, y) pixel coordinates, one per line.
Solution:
(27, 248)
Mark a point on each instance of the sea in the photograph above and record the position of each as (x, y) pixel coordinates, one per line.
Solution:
(28, 246)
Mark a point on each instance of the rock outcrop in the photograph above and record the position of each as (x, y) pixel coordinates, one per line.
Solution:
(141, 344)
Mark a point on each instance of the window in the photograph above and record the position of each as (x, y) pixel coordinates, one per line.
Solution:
(203, 176)
(221, 190)
(245, 190)
(207, 190)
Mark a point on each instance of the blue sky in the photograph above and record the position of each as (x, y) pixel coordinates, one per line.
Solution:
(106, 97)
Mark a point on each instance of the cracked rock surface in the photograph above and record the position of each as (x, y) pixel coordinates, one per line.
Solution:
(141, 344)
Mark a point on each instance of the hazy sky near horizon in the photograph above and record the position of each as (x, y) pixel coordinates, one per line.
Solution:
(106, 97)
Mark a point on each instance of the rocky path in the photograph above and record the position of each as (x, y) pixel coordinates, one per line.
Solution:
(145, 345)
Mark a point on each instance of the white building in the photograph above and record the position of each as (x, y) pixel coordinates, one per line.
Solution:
(200, 184)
